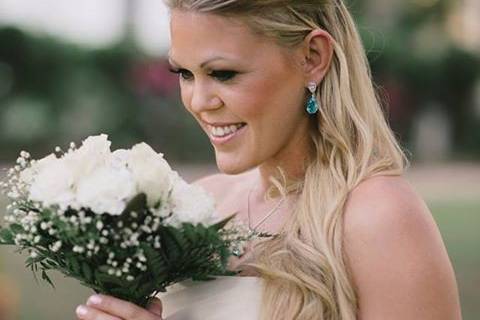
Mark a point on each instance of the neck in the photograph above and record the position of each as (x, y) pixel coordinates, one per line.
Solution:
(292, 159)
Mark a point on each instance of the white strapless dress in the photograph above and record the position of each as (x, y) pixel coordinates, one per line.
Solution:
(233, 298)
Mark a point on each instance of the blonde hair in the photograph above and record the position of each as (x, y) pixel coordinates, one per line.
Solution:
(304, 267)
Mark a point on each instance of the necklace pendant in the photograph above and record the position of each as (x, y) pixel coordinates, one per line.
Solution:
(238, 251)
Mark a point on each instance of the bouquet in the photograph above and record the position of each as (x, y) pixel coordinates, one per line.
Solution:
(123, 223)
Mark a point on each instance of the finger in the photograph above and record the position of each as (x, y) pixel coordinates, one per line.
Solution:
(155, 306)
(87, 313)
(120, 308)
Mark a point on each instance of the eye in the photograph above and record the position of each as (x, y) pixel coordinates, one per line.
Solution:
(223, 75)
(184, 74)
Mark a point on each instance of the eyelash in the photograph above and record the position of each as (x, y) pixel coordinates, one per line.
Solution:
(221, 75)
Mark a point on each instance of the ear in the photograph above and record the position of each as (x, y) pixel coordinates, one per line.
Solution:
(317, 53)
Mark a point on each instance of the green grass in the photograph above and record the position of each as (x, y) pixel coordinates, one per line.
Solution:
(459, 224)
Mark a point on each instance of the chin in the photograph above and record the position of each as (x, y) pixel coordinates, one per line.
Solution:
(232, 167)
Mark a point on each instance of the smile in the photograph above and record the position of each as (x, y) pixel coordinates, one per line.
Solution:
(224, 134)
(223, 131)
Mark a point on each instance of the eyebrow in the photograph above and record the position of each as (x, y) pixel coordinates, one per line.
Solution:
(203, 63)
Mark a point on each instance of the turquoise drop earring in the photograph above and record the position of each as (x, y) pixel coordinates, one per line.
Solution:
(312, 104)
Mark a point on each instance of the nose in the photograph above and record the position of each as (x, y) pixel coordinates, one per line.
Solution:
(203, 98)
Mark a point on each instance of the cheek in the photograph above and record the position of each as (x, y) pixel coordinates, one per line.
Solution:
(268, 101)
(254, 100)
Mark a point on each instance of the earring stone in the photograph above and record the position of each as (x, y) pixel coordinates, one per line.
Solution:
(312, 104)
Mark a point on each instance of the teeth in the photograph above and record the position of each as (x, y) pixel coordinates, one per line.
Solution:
(223, 131)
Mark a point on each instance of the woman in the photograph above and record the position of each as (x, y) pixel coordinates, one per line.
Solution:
(283, 90)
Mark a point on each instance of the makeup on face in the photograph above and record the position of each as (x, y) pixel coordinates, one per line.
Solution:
(243, 90)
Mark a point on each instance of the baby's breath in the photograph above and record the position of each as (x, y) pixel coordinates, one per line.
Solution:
(140, 240)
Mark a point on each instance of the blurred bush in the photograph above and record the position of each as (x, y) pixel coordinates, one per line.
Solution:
(417, 66)
(53, 93)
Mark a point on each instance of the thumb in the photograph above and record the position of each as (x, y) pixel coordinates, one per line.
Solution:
(155, 306)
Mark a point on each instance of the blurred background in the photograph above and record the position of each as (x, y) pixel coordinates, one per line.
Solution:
(69, 70)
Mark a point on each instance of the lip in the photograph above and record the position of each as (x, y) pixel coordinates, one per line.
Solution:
(220, 124)
(223, 140)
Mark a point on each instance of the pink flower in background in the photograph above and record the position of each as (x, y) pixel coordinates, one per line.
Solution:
(153, 77)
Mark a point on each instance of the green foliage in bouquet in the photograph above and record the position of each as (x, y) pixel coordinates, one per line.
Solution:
(143, 254)
(123, 223)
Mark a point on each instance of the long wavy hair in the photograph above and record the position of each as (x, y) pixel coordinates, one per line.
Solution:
(304, 267)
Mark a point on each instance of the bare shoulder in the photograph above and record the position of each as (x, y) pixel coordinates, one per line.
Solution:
(387, 200)
(214, 183)
(224, 188)
(396, 254)
(220, 183)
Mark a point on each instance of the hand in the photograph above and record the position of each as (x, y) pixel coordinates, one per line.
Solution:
(102, 307)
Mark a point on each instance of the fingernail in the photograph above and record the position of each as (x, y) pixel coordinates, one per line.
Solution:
(81, 311)
(95, 299)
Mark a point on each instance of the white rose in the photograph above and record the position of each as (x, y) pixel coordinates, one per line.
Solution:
(106, 190)
(53, 183)
(92, 154)
(28, 174)
(119, 158)
(151, 172)
(191, 203)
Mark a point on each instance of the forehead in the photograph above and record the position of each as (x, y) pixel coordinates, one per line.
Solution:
(203, 35)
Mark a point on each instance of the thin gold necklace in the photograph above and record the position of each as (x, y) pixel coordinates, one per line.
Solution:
(268, 215)
(253, 230)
